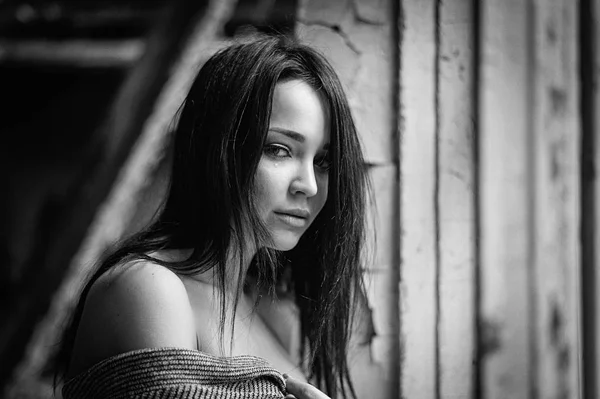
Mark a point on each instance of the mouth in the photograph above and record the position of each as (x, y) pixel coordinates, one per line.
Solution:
(294, 217)
(298, 212)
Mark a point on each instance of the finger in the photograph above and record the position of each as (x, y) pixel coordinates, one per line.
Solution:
(290, 396)
(303, 390)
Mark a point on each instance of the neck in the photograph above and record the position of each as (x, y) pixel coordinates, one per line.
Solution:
(233, 265)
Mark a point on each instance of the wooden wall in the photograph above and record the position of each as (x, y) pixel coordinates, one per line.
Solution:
(478, 166)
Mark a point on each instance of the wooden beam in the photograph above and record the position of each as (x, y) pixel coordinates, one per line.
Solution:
(134, 140)
(59, 20)
(72, 53)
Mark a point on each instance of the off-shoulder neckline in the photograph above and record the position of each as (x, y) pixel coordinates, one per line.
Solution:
(231, 360)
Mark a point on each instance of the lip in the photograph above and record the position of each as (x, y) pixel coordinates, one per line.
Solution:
(294, 217)
(297, 212)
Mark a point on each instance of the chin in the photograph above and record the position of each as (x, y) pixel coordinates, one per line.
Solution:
(285, 241)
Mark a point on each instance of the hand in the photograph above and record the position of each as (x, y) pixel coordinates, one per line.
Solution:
(301, 390)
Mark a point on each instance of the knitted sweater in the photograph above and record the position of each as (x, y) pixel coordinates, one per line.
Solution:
(177, 373)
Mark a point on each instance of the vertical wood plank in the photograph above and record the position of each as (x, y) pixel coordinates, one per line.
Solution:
(504, 200)
(555, 148)
(595, 183)
(589, 264)
(456, 199)
(589, 17)
(417, 200)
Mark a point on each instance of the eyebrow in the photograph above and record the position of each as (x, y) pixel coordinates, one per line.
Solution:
(293, 135)
(289, 133)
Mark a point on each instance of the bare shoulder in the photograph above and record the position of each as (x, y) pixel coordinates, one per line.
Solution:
(135, 306)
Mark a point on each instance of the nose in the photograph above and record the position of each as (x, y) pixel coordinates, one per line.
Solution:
(305, 181)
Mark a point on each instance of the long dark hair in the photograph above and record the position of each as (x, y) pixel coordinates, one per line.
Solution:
(218, 142)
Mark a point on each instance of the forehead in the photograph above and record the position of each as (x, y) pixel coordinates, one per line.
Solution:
(299, 107)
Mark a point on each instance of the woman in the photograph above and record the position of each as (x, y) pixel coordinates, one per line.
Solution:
(267, 177)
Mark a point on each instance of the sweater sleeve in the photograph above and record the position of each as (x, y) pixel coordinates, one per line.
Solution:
(177, 373)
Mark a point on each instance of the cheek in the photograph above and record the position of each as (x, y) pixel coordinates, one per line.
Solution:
(261, 188)
(268, 184)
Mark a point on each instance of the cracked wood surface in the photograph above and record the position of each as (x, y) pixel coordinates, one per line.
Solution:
(357, 35)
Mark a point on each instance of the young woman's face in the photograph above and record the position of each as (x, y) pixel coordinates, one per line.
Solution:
(292, 175)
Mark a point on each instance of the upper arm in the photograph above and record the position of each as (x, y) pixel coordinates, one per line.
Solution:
(142, 305)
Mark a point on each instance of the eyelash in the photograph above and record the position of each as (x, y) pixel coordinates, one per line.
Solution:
(324, 163)
(274, 151)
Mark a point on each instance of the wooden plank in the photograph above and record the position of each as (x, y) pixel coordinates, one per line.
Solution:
(555, 150)
(116, 211)
(590, 194)
(417, 200)
(456, 199)
(594, 261)
(75, 53)
(99, 19)
(505, 281)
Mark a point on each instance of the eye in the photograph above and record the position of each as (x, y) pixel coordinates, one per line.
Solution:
(323, 162)
(277, 151)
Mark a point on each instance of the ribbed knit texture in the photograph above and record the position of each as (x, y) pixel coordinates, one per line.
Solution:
(158, 373)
